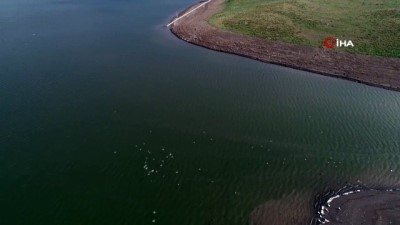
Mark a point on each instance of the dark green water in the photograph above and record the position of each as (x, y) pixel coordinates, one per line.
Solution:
(95, 94)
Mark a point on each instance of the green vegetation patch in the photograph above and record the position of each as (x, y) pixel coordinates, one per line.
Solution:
(372, 25)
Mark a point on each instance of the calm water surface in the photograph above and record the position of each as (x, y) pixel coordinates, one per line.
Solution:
(107, 118)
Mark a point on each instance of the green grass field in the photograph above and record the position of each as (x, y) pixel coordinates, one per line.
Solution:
(372, 25)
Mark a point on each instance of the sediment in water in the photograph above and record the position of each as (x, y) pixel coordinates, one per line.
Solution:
(292, 209)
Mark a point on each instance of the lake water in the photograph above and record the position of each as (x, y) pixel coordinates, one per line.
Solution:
(107, 118)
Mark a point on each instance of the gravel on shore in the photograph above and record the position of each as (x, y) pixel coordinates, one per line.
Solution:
(376, 71)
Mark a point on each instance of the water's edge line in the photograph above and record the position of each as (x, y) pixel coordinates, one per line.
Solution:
(187, 13)
(302, 68)
(322, 201)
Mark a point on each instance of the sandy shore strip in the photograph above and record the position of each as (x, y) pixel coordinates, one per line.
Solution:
(376, 71)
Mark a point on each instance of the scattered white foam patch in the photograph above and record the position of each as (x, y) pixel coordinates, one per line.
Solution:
(155, 160)
(331, 199)
(323, 210)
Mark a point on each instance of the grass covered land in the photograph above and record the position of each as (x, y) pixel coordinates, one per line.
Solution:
(372, 25)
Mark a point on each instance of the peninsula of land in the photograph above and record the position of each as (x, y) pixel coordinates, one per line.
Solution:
(372, 70)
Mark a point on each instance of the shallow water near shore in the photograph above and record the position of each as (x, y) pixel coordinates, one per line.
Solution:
(107, 118)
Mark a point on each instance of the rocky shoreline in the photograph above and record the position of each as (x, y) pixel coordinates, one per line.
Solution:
(375, 71)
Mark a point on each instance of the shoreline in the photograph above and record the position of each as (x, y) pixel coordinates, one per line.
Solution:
(180, 13)
(358, 205)
(370, 70)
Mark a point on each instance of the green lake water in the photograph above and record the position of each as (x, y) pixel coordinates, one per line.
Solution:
(107, 118)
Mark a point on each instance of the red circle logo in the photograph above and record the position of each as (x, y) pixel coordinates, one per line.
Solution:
(330, 42)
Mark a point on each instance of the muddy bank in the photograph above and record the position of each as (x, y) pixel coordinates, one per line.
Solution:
(375, 71)
(359, 205)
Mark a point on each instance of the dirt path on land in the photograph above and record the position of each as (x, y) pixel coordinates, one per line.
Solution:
(375, 71)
